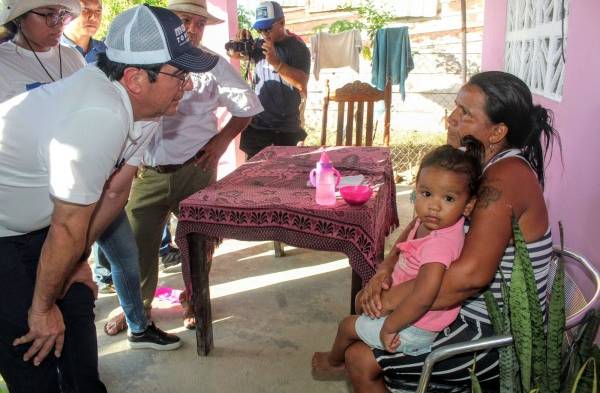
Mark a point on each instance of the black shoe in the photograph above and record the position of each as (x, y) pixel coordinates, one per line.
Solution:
(153, 338)
(171, 261)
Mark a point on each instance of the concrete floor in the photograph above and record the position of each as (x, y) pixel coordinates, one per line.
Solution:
(269, 316)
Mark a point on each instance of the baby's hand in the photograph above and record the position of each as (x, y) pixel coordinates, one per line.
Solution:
(390, 341)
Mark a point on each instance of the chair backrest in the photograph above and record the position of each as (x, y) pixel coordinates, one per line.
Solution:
(354, 96)
(576, 303)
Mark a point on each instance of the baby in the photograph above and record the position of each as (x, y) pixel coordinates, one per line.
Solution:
(446, 186)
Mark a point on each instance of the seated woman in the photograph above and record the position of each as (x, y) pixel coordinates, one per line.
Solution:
(497, 109)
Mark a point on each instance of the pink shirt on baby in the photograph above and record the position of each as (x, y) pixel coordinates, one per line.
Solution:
(442, 246)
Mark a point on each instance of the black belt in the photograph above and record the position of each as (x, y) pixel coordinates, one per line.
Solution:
(170, 168)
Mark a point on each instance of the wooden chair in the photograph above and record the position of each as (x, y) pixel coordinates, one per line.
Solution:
(576, 307)
(354, 96)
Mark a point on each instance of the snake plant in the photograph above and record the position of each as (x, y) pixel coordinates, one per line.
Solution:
(535, 362)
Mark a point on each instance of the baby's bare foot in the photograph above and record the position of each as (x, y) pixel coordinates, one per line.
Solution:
(322, 369)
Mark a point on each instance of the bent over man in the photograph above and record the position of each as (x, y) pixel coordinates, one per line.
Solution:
(62, 152)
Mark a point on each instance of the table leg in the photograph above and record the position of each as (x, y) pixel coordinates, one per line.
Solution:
(200, 268)
(278, 247)
(356, 286)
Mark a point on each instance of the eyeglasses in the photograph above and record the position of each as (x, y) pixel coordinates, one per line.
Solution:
(89, 12)
(183, 77)
(54, 18)
(264, 31)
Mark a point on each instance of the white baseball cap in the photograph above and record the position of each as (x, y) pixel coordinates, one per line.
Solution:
(154, 35)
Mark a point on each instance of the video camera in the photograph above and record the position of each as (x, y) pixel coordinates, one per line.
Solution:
(244, 46)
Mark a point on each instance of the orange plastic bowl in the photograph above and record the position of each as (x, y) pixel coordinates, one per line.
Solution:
(356, 195)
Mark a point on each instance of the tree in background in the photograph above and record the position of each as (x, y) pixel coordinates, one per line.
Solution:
(111, 8)
(245, 17)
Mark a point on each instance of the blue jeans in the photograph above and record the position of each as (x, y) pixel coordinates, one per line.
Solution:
(165, 243)
(119, 246)
(102, 271)
(101, 268)
(77, 368)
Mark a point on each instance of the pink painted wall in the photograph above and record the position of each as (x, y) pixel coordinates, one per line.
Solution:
(215, 37)
(573, 187)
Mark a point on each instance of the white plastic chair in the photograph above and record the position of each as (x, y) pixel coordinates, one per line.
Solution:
(576, 307)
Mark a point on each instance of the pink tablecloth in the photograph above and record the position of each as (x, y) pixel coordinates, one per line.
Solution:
(267, 198)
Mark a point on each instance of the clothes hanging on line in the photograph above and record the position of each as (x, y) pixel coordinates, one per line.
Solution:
(391, 58)
(335, 50)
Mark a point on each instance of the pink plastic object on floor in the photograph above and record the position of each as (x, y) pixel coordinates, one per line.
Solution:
(356, 195)
(167, 294)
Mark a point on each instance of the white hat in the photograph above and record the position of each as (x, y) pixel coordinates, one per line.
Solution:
(12, 9)
(197, 7)
(154, 35)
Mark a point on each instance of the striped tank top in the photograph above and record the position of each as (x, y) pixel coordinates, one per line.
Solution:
(540, 253)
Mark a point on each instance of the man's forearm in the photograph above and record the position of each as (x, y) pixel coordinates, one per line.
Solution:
(62, 249)
(293, 76)
(234, 126)
(111, 203)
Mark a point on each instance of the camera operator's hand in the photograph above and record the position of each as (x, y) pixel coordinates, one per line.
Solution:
(268, 48)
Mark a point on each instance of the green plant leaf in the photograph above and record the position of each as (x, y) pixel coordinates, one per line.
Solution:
(475, 386)
(556, 327)
(538, 347)
(521, 322)
(589, 367)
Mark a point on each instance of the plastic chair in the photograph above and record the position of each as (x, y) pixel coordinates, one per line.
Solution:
(353, 95)
(576, 306)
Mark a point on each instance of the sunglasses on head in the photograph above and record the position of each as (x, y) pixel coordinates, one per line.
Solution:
(262, 31)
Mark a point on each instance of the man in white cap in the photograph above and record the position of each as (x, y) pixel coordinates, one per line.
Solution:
(65, 149)
(183, 158)
(282, 67)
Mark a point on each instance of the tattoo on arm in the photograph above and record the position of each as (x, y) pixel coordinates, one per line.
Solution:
(487, 195)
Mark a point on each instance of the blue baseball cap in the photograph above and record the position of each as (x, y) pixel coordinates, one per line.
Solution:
(267, 13)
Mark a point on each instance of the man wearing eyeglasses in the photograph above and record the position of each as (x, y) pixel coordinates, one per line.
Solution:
(183, 158)
(68, 151)
(35, 56)
(282, 67)
(80, 32)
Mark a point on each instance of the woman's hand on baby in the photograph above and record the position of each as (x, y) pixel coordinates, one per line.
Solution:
(390, 341)
(370, 296)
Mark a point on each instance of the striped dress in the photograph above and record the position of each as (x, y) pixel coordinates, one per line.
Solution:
(401, 372)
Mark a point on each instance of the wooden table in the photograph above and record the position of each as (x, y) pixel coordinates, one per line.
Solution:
(267, 198)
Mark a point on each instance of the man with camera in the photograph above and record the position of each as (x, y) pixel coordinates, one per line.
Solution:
(281, 70)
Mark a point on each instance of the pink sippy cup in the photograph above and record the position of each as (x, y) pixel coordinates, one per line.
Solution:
(323, 177)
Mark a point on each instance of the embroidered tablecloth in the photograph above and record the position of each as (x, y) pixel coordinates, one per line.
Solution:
(268, 198)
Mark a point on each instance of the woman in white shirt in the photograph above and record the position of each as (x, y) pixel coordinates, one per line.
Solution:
(34, 56)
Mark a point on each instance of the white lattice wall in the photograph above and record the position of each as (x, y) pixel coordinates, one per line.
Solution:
(535, 39)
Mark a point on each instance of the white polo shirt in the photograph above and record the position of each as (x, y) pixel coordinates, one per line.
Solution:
(63, 140)
(195, 122)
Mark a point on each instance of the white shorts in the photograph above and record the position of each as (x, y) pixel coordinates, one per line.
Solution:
(414, 341)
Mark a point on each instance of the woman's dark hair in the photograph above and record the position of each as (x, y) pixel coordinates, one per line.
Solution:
(114, 71)
(8, 31)
(509, 101)
(466, 162)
